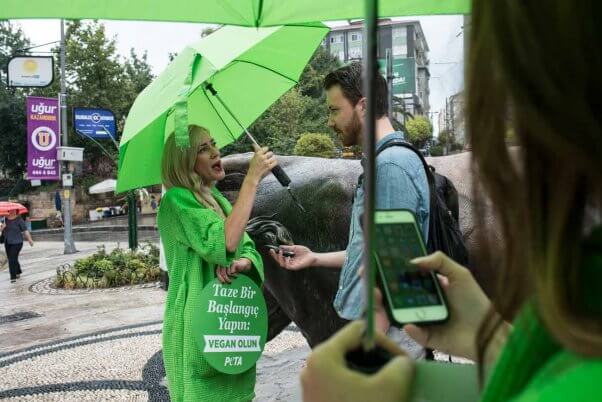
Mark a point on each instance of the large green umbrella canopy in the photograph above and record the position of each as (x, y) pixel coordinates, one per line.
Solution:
(233, 12)
(249, 68)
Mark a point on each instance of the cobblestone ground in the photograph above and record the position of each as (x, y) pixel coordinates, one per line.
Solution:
(102, 345)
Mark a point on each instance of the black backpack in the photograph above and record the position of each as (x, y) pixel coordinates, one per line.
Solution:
(444, 227)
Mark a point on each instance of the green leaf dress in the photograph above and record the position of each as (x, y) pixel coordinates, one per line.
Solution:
(193, 239)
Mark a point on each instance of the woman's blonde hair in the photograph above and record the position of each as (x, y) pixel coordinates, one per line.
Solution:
(177, 167)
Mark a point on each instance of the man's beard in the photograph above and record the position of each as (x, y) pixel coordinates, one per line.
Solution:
(352, 133)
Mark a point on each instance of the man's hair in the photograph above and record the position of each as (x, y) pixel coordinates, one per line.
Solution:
(349, 78)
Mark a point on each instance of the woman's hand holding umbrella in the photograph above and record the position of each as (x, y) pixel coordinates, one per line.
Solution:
(261, 164)
(327, 378)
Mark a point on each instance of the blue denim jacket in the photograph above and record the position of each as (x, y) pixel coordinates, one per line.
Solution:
(400, 183)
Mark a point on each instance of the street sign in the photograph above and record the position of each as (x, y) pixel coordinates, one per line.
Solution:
(94, 123)
(30, 71)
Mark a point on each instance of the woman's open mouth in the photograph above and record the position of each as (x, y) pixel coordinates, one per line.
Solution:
(217, 167)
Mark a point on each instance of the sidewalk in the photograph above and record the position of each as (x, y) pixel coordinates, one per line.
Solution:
(102, 344)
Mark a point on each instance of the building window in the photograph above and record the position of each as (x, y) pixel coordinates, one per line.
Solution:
(356, 37)
(332, 39)
(399, 42)
(341, 55)
(399, 32)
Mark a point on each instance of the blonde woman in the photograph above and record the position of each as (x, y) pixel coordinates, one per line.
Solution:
(203, 237)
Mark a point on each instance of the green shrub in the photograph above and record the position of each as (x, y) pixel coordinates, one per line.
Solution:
(117, 268)
(436, 150)
(320, 145)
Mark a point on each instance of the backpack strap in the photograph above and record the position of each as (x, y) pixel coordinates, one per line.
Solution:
(396, 142)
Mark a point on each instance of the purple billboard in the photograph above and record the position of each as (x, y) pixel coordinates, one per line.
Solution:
(42, 138)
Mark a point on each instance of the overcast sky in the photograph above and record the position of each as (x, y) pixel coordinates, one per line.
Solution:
(443, 34)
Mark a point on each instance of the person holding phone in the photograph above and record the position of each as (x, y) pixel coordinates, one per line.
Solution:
(540, 336)
(203, 237)
(401, 182)
(13, 230)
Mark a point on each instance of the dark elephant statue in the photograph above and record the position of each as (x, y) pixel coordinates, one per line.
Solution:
(325, 188)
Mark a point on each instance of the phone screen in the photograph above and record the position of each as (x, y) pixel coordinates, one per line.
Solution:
(396, 244)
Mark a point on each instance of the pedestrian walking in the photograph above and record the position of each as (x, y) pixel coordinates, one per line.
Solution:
(13, 231)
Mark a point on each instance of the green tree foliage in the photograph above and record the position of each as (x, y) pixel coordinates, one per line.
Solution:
(311, 144)
(447, 140)
(418, 130)
(12, 105)
(446, 137)
(138, 71)
(301, 110)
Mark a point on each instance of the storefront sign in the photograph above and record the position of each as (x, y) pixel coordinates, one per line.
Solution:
(30, 71)
(94, 123)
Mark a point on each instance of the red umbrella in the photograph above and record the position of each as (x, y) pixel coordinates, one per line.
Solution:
(6, 207)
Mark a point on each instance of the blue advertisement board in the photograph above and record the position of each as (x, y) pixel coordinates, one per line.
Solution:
(95, 123)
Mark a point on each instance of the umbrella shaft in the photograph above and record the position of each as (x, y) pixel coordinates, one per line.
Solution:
(249, 136)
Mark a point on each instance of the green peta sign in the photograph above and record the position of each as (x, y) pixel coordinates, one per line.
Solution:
(231, 325)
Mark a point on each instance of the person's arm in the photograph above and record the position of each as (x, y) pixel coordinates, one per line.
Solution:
(305, 258)
(23, 229)
(199, 228)
(259, 166)
(236, 222)
(334, 259)
(27, 236)
(249, 252)
(326, 376)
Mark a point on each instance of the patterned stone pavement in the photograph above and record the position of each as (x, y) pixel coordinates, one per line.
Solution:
(125, 364)
(102, 345)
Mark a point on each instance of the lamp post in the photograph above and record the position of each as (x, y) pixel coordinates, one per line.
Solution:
(67, 219)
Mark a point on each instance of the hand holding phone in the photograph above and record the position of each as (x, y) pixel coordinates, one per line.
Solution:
(411, 295)
(468, 305)
(277, 250)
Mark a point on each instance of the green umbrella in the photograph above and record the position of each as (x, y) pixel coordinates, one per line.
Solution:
(249, 68)
(232, 12)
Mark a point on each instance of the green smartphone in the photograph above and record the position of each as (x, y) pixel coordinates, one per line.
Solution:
(411, 295)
